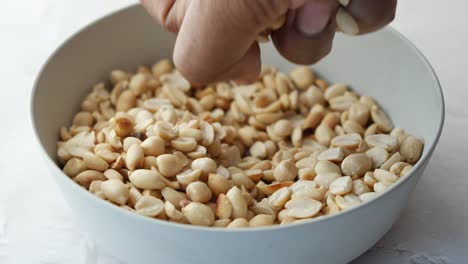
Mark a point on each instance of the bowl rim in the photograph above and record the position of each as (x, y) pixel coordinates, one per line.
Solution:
(136, 217)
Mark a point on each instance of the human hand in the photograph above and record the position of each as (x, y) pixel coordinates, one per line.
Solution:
(216, 39)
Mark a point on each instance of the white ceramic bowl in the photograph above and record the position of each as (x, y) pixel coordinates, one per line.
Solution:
(383, 65)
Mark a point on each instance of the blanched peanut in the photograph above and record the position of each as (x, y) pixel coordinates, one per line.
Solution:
(161, 67)
(378, 156)
(146, 179)
(386, 142)
(396, 157)
(113, 174)
(351, 126)
(184, 144)
(206, 165)
(332, 207)
(367, 196)
(372, 130)
(325, 179)
(381, 119)
(285, 171)
(359, 187)
(331, 119)
(173, 196)
(261, 220)
(335, 90)
(324, 134)
(288, 220)
(117, 76)
(341, 186)
(129, 141)
(133, 196)
(325, 166)
(83, 119)
(259, 150)
(369, 179)
(405, 170)
(238, 223)
(356, 164)
(239, 205)
(314, 117)
(188, 176)
(346, 141)
(282, 214)
(219, 184)
(223, 207)
(385, 176)
(381, 187)
(135, 157)
(347, 201)
(263, 207)
(308, 162)
(85, 178)
(302, 185)
(169, 165)
(172, 211)
(306, 174)
(411, 149)
(303, 77)
(198, 214)
(359, 112)
(153, 146)
(312, 96)
(282, 128)
(399, 134)
(138, 83)
(126, 101)
(95, 188)
(94, 162)
(280, 197)
(149, 206)
(74, 166)
(398, 167)
(123, 125)
(115, 190)
(303, 207)
(342, 103)
(241, 179)
(199, 192)
(222, 223)
(150, 162)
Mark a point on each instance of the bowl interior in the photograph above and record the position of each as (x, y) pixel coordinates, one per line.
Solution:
(383, 65)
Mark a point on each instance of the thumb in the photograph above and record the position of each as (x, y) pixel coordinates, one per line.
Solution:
(218, 38)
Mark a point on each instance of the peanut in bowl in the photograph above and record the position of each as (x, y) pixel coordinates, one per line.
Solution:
(153, 223)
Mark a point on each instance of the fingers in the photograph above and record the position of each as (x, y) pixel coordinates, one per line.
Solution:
(216, 37)
(169, 13)
(308, 33)
(247, 69)
(372, 15)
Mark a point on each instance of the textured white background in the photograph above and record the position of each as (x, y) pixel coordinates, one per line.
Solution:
(36, 226)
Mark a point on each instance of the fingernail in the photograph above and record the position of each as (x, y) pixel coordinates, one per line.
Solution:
(312, 18)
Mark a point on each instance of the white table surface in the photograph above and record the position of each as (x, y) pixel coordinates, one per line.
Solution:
(37, 226)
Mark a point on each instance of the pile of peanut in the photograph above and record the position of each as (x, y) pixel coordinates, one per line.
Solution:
(284, 149)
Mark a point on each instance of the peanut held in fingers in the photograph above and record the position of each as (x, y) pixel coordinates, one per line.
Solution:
(280, 150)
